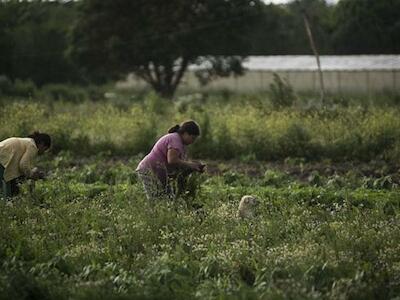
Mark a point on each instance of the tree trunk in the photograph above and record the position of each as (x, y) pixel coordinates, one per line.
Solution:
(162, 77)
(166, 92)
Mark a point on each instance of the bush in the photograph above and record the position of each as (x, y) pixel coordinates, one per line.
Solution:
(24, 88)
(21, 119)
(95, 93)
(88, 232)
(62, 92)
(5, 85)
(232, 130)
(282, 94)
(20, 88)
(295, 142)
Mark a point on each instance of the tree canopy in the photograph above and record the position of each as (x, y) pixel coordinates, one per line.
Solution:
(100, 40)
(157, 39)
(367, 27)
(33, 39)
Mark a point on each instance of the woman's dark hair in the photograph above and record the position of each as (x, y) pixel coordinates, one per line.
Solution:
(191, 127)
(41, 138)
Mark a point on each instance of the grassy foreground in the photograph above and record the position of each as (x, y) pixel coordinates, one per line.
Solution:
(327, 227)
(87, 232)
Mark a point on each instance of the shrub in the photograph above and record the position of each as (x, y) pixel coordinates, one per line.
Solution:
(295, 142)
(62, 92)
(21, 119)
(95, 93)
(5, 85)
(282, 94)
(236, 129)
(20, 88)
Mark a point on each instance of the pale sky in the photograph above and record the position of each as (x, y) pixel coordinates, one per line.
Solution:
(286, 1)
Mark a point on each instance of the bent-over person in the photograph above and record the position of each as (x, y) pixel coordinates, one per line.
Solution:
(167, 158)
(16, 160)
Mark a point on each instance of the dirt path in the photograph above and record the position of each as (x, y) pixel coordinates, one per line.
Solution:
(302, 171)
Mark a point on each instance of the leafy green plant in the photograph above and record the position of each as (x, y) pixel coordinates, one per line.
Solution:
(282, 94)
(23, 88)
(5, 85)
(62, 92)
(89, 231)
(229, 130)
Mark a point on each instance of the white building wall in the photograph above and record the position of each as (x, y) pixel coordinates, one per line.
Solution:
(367, 82)
(334, 81)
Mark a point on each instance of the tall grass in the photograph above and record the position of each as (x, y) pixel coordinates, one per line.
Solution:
(87, 231)
(231, 128)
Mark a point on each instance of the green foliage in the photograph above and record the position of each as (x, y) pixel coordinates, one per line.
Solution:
(296, 142)
(22, 88)
(27, 89)
(155, 105)
(28, 116)
(366, 27)
(218, 66)
(35, 36)
(275, 178)
(62, 92)
(33, 40)
(5, 85)
(88, 232)
(236, 129)
(282, 94)
(145, 40)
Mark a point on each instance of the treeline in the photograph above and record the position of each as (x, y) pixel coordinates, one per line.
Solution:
(36, 36)
(349, 27)
(34, 40)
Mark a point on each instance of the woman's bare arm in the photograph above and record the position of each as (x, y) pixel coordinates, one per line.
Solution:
(173, 159)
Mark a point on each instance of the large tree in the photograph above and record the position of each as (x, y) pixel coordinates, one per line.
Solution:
(157, 39)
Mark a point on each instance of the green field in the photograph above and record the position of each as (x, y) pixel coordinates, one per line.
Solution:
(327, 227)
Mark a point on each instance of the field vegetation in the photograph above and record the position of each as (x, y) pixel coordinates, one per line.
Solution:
(244, 127)
(327, 179)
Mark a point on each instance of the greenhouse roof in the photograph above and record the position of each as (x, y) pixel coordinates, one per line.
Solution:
(328, 62)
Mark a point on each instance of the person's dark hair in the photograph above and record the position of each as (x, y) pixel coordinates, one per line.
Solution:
(41, 138)
(191, 127)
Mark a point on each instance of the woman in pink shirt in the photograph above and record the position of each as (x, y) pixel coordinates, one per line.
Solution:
(168, 156)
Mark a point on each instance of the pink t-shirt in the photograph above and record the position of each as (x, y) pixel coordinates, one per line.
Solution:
(156, 160)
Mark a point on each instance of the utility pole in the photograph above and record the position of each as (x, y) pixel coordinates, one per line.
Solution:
(314, 49)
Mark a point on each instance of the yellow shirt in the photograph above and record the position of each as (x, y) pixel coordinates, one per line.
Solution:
(16, 156)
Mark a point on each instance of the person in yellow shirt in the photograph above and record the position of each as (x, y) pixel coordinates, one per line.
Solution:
(16, 160)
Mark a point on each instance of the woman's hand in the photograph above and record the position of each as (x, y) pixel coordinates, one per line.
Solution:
(174, 160)
(37, 174)
(198, 166)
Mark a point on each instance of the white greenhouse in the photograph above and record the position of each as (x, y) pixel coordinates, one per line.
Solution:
(366, 74)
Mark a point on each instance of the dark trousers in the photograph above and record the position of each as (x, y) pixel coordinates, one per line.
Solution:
(9, 188)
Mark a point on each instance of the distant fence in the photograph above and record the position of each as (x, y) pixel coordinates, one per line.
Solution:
(365, 82)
